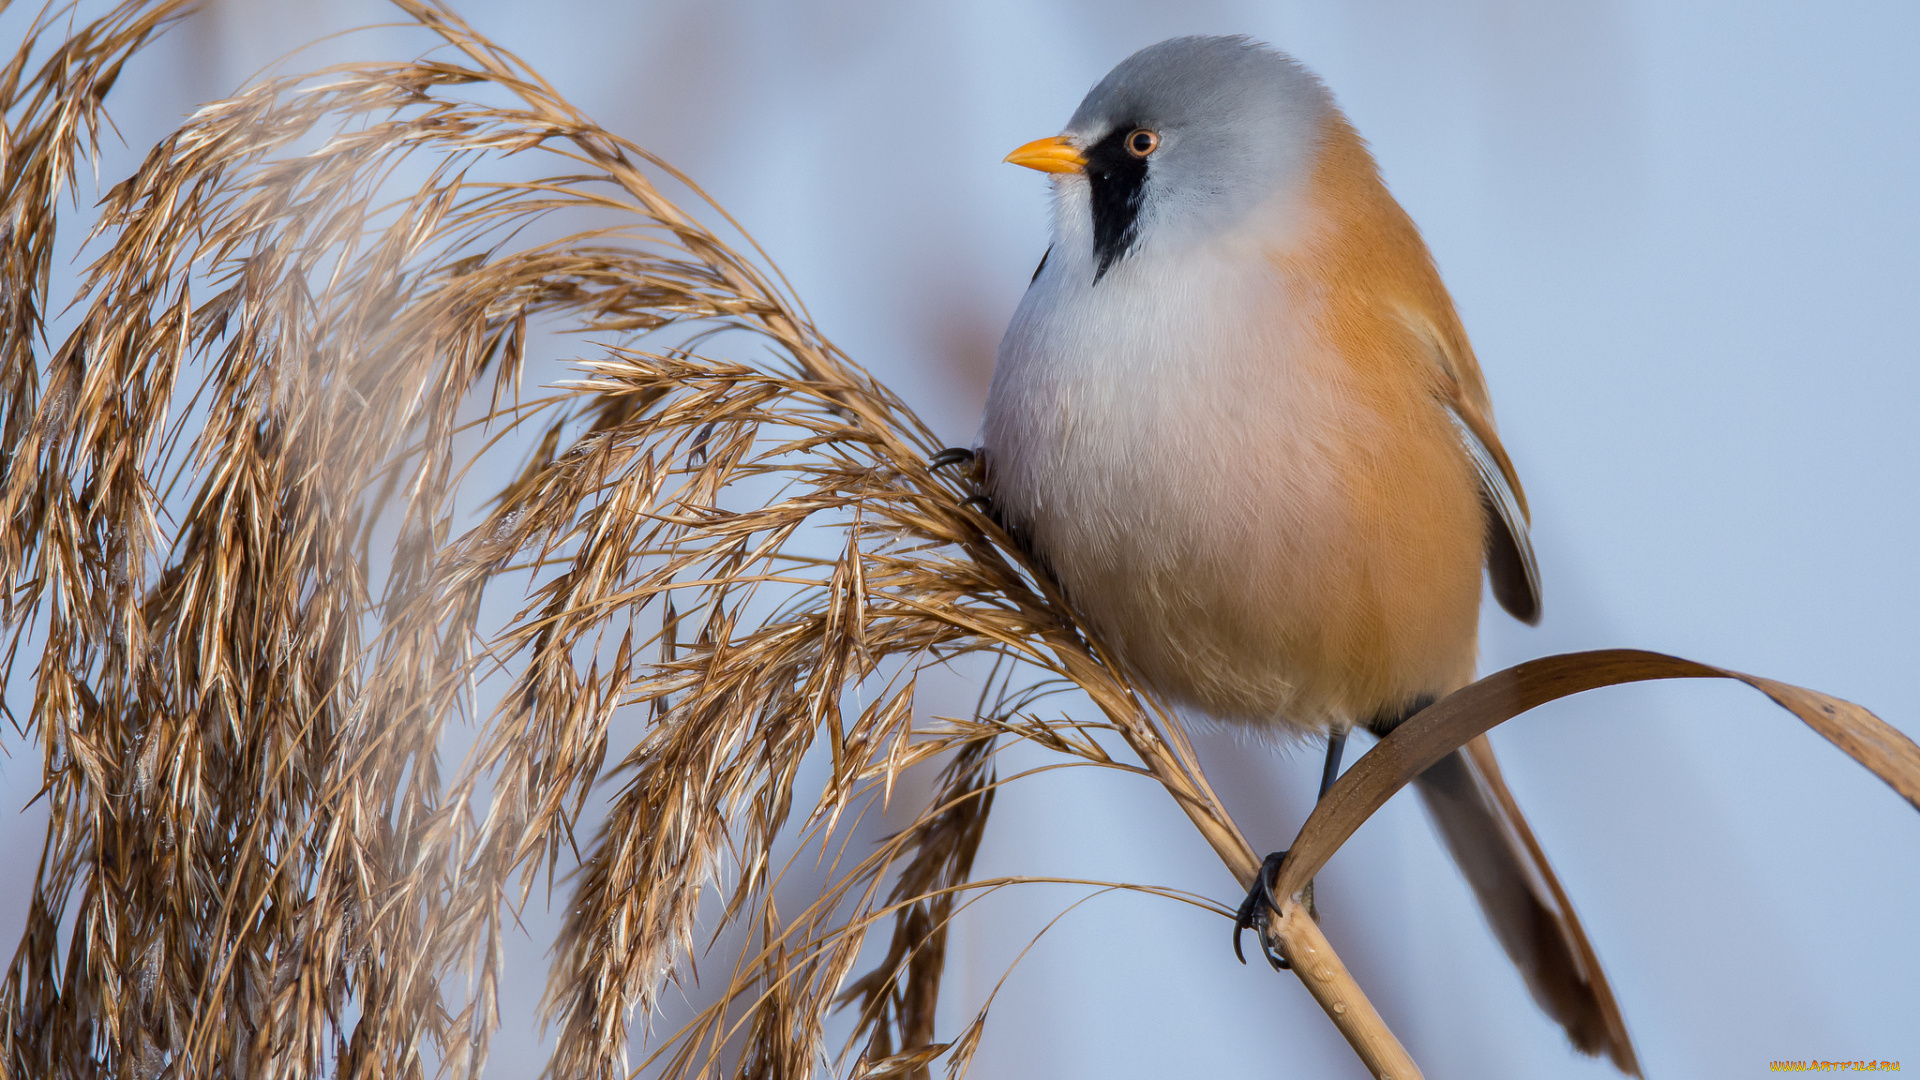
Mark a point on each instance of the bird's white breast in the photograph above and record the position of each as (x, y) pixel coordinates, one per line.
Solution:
(1175, 441)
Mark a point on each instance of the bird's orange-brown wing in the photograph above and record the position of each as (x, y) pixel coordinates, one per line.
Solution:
(1511, 567)
(1375, 250)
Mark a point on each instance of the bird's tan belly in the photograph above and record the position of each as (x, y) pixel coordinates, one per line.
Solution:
(1271, 569)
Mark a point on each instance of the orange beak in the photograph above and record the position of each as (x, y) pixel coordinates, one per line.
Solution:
(1054, 154)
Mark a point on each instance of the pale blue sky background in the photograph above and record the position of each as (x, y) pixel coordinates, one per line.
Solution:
(1686, 240)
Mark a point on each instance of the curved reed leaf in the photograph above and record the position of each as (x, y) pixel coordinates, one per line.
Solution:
(1468, 713)
(1460, 722)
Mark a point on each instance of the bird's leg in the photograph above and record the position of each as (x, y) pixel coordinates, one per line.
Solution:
(1255, 908)
(1336, 742)
(1329, 772)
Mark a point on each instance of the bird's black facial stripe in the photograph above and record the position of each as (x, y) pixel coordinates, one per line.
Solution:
(1118, 184)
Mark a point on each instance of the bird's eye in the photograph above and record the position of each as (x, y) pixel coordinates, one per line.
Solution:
(1142, 142)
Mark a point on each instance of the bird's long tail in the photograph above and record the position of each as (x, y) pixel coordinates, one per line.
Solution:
(1523, 900)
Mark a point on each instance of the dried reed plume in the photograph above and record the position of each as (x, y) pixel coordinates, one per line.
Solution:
(240, 552)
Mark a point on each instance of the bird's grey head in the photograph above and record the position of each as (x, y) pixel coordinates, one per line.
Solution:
(1186, 137)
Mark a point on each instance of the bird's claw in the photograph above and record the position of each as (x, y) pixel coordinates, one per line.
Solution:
(699, 450)
(1257, 908)
(960, 455)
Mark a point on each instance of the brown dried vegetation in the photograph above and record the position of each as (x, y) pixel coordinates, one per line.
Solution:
(242, 557)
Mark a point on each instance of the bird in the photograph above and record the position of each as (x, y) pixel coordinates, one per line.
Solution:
(1237, 419)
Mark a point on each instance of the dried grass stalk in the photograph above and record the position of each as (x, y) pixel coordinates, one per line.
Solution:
(237, 530)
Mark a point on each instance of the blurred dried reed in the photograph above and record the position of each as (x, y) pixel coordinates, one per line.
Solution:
(242, 553)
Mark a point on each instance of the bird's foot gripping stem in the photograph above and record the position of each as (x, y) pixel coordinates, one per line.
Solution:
(968, 462)
(1257, 908)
